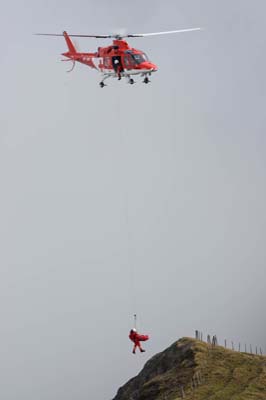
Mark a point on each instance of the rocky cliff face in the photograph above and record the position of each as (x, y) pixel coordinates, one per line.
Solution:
(194, 370)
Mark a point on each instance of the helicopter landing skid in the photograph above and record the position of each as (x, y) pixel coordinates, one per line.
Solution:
(146, 80)
(102, 84)
(130, 80)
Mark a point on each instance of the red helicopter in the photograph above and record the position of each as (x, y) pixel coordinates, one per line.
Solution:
(117, 60)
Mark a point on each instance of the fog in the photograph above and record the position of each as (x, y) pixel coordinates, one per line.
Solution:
(146, 199)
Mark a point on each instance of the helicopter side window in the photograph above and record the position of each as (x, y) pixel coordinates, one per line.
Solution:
(106, 62)
(128, 61)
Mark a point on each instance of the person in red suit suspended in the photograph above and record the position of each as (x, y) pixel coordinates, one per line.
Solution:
(136, 339)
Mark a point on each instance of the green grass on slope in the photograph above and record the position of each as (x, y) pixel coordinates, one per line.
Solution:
(227, 375)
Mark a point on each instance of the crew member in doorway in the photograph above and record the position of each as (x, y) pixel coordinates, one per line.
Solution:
(117, 66)
(136, 339)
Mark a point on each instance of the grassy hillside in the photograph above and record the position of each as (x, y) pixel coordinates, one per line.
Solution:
(200, 372)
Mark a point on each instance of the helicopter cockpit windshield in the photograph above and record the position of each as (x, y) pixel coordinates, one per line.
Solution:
(139, 58)
(135, 58)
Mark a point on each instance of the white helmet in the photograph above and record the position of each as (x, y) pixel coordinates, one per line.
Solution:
(134, 330)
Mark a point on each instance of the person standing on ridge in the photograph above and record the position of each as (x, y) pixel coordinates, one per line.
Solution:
(136, 339)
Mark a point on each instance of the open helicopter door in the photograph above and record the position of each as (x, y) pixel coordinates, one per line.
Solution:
(117, 63)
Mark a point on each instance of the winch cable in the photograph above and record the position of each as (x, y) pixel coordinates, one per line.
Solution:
(124, 156)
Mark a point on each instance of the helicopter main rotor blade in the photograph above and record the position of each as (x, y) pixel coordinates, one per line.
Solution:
(163, 33)
(61, 34)
(118, 36)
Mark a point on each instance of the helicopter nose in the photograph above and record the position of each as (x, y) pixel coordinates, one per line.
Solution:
(149, 65)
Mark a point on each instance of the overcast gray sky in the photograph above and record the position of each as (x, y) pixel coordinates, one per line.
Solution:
(145, 198)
